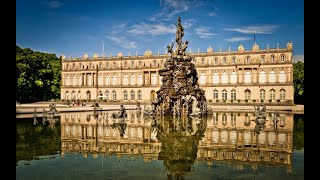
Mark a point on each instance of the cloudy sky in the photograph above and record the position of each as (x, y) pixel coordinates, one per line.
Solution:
(77, 27)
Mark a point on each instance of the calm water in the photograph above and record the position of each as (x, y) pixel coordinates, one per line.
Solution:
(92, 145)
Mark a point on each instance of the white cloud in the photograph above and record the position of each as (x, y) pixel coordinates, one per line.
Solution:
(236, 39)
(54, 4)
(119, 27)
(170, 8)
(152, 29)
(187, 23)
(123, 42)
(262, 29)
(212, 14)
(204, 32)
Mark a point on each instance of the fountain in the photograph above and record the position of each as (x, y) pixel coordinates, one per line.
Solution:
(179, 94)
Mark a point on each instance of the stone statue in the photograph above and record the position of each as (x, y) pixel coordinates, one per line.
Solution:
(179, 32)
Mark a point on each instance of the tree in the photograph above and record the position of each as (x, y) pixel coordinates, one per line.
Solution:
(298, 80)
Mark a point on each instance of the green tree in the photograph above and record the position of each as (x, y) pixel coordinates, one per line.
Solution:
(298, 80)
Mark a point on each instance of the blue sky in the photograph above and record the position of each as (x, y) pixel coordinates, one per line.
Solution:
(77, 27)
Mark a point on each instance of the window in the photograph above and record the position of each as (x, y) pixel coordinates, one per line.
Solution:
(140, 64)
(67, 95)
(125, 95)
(224, 78)
(100, 65)
(233, 77)
(272, 76)
(233, 94)
(125, 64)
(107, 80)
(224, 94)
(73, 95)
(154, 79)
(272, 94)
(203, 61)
(132, 94)
(140, 79)
(73, 66)
(80, 81)
(90, 80)
(262, 77)
(247, 94)
(162, 63)
(282, 58)
(132, 64)
(233, 119)
(100, 81)
(282, 76)
(247, 59)
(125, 80)
(224, 60)
(262, 94)
(202, 79)
(233, 60)
(114, 80)
(247, 77)
(139, 95)
(90, 65)
(262, 58)
(67, 81)
(133, 80)
(282, 94)
(272, 58)
(107, 65)
(215, 78)
(215, 94)
(114, 65)
(107, 95)
(80, 66)
(67, 66)
(74, 81)
(224, 119)
(114, 95)
(155, 63)
(215, 61)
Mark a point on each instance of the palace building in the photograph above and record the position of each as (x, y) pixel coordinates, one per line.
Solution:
(240, 76)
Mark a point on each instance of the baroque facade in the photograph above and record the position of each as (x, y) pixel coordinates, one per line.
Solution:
(254, 75)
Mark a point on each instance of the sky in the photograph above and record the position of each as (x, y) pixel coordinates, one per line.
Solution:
(78, 27)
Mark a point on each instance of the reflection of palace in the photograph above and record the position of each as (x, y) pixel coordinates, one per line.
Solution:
(232, 76)
(228, 137)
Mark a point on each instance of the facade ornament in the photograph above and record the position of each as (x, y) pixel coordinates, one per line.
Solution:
(289, 45)
(85, 56)
(209, 50)
(148, 53)
(240, 48)
(95, 56)
(119, 55)
(255, 48)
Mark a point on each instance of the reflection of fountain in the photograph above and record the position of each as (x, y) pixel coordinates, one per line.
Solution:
(261, 118)
(179, 93)
(121, 114)
(179, 138)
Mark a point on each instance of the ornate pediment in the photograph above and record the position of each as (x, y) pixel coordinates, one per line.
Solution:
(240, 48)
(147, 53)
(119, 55)
(209, 49)
(255, 48)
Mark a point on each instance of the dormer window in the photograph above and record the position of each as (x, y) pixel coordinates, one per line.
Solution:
(233, 60)
(132, 64)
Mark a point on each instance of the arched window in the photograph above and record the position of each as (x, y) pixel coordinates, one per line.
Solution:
(140, 79)
(74, 81)
(282, 94)
(90, 80)
(100, 94)
(247, 119)
(224, 94)
(233, 94)
(215, 94)
(125, 95)
(79, 95)
(139, 95)
(133, 80)
(114, 80)
(262, 94)
(154, 79)
(132, 94)
(247, 94)
(262, 77)
(80, 81)
(272, 76)
(224, 78)
(215, 78)
(125, 80)
(272, 94)
(233, 119)
(67, 81)
(67, 95)
(114, 95)
(100, 81)
(247, 77)
(73, 95)
(233, 77)
(88, 95)
(107, 80)
(202, 79)
(107, 95)
(224, 119)
(282, 76)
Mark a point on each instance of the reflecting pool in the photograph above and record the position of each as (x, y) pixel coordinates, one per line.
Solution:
(92, 145)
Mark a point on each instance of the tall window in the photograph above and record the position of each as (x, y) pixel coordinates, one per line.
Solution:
(132, 94)
(154, 79)
(100, 81)
(114, 80)
(125, 64)
(140, 64)
(67, 66)
(224, 78)
(114, 95)
(224, 94)
(216, 61)
(224, 119)
(80, 66)
(282, 76)
(90, 65)
(262, 77)
(203, 61)
(215, 94)
(272, 58)
(107, 95)
(67, 95)
(247, 59)
(262, 94)
(67, 81)
(272, 94)
(224, 60)
(233, 77)
(155, 64)
(282, 58)
(233, 94)
(107, 80)
(282, 94)
(139, 95)
(272, 76)
(125, 95)
(233, 60)
(202, 79)
(140, 79)
(132, 64)
(262, 59)
(132, 80)
(247, 77)
(74, 81)
(73, 66)
(125, 80)
(90, 82)
(107, 65)
(247, 94)
(215, 78)
(80, 81)
(233, 119)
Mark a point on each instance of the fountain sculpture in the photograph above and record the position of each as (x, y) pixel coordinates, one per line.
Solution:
(179, 94)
